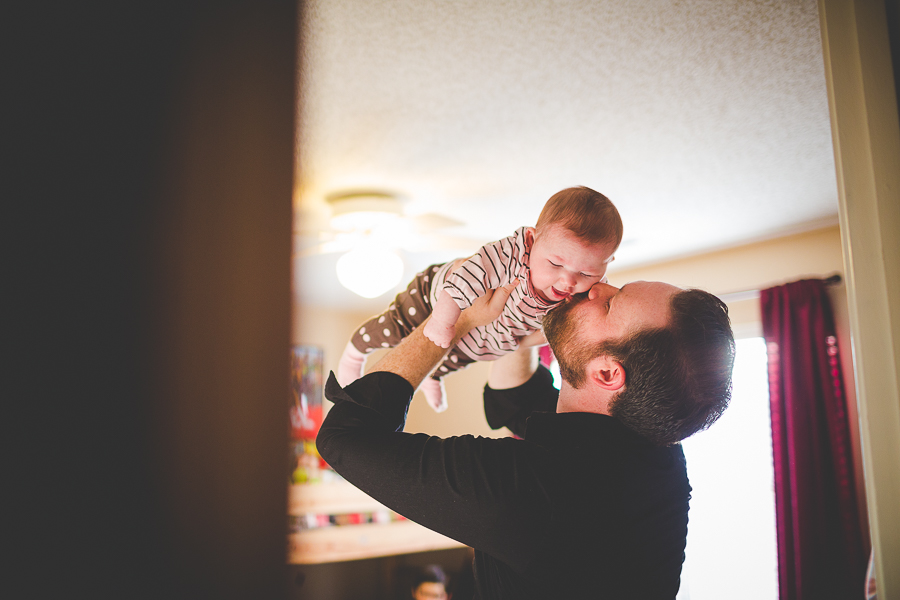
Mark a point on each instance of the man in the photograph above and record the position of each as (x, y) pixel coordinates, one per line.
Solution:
(593, 502)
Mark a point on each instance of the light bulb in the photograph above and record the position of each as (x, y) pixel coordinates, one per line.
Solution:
(369, 271)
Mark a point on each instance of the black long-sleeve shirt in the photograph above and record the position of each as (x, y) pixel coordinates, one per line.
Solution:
(581, 508)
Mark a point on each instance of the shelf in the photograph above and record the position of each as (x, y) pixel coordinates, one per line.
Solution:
(332, 498)
(352, 542)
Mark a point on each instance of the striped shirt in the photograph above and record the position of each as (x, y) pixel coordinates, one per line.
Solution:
(495, 264)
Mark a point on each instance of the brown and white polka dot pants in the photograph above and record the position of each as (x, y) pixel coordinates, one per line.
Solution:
(408, 310)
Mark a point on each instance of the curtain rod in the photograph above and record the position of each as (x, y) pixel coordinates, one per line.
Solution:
(754, 294)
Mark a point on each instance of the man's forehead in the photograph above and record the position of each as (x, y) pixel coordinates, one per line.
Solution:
(648, 288)
(630, 291)
(643, 304)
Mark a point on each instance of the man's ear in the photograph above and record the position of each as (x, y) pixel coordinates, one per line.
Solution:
(529, 238)
(606, 373)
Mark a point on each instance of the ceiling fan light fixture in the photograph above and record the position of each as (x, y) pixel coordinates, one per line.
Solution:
(369, 271)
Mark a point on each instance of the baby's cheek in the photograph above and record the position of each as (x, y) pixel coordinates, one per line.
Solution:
(539, 279)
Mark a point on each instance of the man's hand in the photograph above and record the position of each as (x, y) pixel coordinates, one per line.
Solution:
(485, 309)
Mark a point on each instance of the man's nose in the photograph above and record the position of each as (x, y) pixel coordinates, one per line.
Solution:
(601, 289)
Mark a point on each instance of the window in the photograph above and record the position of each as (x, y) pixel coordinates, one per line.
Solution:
(731, 546)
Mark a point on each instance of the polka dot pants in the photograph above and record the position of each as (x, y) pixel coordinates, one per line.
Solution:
(408, 310)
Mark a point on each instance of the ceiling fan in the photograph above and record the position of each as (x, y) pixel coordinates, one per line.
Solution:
(368, 228)
(365, 217)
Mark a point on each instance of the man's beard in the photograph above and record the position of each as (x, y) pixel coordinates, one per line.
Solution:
(561, 331)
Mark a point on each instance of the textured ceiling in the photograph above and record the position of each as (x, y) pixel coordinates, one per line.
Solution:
(705, 121)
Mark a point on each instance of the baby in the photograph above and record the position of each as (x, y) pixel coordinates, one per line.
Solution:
(567, 252)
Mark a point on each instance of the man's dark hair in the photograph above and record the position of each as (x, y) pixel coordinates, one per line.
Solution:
(678, 378)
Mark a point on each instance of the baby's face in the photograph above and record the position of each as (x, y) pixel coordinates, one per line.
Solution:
(562, 265)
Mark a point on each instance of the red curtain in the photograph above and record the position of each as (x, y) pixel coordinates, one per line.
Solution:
(820, 545)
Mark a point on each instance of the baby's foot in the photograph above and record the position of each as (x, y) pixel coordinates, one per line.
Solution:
(440, 335)
(434, 394)
(350, 367)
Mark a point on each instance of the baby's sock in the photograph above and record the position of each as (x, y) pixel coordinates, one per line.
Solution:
(350, 367)
(434, 394)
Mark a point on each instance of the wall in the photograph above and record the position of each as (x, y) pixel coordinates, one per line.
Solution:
(860, 41)
(146, 425)
(750, 267)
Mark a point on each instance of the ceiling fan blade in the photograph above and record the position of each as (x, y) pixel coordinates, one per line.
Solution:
(431, 242)
(323, 248)
(314, 228)
(431, 222)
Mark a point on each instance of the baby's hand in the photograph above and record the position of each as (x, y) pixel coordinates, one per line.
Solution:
(440, 335)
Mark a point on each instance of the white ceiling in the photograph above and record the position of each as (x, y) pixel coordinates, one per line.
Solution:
(705, 121)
